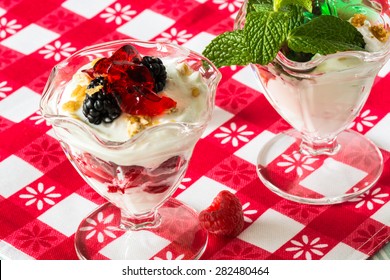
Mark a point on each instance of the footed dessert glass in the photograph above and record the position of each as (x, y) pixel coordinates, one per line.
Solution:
(141, 220)
(320, 161)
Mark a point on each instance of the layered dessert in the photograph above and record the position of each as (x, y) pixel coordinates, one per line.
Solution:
(314, 58)
(134, 122)
(325, 103)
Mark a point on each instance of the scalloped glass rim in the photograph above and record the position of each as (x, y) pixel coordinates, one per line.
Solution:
(49, 92)
(318, 59)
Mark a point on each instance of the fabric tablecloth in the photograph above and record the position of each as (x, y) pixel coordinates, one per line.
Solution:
(43, 199)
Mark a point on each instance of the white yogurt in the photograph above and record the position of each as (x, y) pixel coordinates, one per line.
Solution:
(178, 87)
(175, 133)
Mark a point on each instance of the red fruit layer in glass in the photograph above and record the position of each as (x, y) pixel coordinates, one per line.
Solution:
(152, 180)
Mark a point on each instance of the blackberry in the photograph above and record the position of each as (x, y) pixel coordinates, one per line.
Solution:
(157, 68)
(100, 107)
(99, 81)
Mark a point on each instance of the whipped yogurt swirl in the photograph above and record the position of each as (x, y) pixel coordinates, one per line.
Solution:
(174, 132)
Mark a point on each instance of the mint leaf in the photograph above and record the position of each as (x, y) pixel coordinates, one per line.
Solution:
(229, 48)
(295, 16)
(251, 2)
(251, 6)
(325, 35)
(319, 45)
(265, 32)
(262, 7)
(307, 4)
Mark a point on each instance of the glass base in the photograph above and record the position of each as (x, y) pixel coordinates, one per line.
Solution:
(176, 235)
(319, 179)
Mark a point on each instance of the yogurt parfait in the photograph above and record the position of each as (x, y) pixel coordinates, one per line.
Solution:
(128, 115)
(317, 62)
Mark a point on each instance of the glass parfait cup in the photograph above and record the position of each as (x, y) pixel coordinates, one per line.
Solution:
(320, 160)
(137, 177)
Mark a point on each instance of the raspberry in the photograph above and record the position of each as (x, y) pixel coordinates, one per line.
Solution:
(157, 68)
(224, 216)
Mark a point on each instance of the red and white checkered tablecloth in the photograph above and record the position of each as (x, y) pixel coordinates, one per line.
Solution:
(43, 199)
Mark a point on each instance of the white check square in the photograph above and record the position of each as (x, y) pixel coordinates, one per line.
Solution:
(385, 70)
(220, 116)
(199, 42)
(7, 251)
(382, 215)
(247, 77)
(344, 252)
(271, 231)
(85, 8)
(146, 25)
(139, 245)
(380, 133)
(20, 104)
(30, 39)
(202, 192)
(250, 151)
(15, 174)
(2, 12)
(326, 181)
(66, 215)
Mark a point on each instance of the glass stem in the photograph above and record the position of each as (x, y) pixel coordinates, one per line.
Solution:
(322, 147)
(139, 222)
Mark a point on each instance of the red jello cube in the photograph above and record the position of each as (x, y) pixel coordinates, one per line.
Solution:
(131, 83)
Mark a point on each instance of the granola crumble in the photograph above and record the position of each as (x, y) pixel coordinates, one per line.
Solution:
(380, 32)
(137, 123)
(358, 20)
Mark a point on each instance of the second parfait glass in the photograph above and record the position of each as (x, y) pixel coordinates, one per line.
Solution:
(141, 220)
(320, 161)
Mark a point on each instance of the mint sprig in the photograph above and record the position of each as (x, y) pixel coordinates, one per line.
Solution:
(267, 29)
(325, 35)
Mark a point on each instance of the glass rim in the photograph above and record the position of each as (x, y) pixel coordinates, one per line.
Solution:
(49, 95)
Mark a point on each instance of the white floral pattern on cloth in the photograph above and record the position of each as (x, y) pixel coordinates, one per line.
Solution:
(248, 212)
(118, 14)
(100, 227)
(3, 89)
(40, 195)
(8, 27)
(364, 119)
(234, 134)
(298, 162)
(174, 36)
(369, 198)
(306, 248)
(169, 256)
(231, 5)
(38, 118)
(57, 50)
(185, 180)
